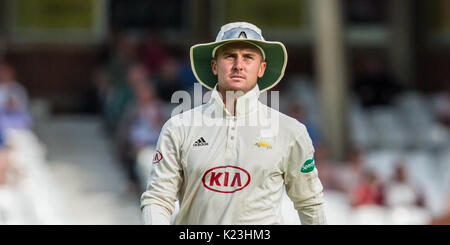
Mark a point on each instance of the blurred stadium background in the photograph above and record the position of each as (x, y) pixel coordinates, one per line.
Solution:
(86, 85)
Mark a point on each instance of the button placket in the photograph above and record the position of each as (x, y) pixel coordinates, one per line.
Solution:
(232, 133)
(228, 141)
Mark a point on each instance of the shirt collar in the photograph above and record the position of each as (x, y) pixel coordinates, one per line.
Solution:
(245, 104)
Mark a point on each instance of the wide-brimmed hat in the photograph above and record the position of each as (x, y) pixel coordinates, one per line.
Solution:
(274, 53)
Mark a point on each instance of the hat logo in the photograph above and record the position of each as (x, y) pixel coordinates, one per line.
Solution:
(242, 35)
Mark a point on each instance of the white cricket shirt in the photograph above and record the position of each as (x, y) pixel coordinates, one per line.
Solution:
(227, 169)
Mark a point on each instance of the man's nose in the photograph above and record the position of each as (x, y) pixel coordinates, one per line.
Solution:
(238, 63)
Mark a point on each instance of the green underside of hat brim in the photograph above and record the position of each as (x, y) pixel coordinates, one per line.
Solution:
(276, 58)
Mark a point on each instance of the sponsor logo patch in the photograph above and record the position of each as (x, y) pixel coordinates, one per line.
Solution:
(158, 157)
(262, 144)
(226, 179)
(200, 142)
(308, 166)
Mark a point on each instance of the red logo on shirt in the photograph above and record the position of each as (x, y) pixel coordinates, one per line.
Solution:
(226, 179)
(158, 157)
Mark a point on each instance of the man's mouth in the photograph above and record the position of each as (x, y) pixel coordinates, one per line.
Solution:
(237, 77)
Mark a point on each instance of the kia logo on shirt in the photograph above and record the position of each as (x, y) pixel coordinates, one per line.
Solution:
(226, 179)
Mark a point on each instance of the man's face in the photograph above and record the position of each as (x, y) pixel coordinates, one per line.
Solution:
(238, 65)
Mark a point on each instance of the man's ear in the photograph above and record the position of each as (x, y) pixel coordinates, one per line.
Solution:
(262, 69)
(214, 66)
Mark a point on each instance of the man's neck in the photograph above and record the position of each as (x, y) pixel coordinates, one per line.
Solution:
(230, 101)
(229, 98)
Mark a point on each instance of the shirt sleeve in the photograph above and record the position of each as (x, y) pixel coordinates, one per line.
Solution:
(155, 215)
(302, 182)
(165, 178)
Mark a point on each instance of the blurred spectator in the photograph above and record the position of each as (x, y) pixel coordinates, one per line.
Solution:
(142, 120)
(186, 76)
(400, 191)
(124, 53)
(327, 168)
(116, 102)
(374, 84)
(9, 173)
(13, 102)
(168, 80)
(15, 115)
(8, 84)
(119, 93)
(145, 129)
(299, 112)
(103, 86)
(147, 110)
(154, 53)
(368, 191)
(137, 75)
(350, 175)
